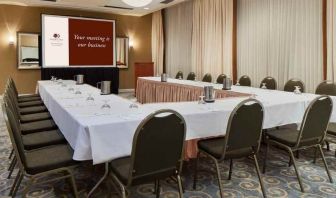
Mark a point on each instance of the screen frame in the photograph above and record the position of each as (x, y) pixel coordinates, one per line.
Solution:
(77, 66)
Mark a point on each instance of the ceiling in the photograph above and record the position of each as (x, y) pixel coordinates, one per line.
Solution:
(95, 5)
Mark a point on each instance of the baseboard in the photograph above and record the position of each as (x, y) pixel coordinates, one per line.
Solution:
(126, 90)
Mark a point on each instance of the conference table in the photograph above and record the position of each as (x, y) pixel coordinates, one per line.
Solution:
(103, 134)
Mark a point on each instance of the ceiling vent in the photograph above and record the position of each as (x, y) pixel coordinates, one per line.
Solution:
(117, 7)
(166, 1)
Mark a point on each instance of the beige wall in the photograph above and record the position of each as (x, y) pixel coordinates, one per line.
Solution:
(28, 19)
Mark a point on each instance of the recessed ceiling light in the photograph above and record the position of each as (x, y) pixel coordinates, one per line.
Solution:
(146, 8)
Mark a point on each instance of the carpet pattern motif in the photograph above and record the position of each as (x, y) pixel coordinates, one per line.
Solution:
(279, 180)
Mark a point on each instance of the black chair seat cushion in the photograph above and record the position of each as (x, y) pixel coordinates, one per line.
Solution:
(214, 146)
(29, 96)
(288, 136)
(48, 158)
(38, 126)
(31, 103)
(29, 99)
(332, 128)
(121, 168)
(30, 110)
(42, 139)
(35, 117)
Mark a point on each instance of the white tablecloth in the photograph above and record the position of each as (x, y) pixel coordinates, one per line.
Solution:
(106, 134)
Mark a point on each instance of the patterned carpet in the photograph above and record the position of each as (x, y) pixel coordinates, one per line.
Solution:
(280, 180)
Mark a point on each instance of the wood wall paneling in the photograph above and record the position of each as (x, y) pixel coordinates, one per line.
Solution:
(28, 19)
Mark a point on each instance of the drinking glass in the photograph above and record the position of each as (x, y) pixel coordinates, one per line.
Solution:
(89, 98)
(263, 86)
(201, 100)
(106, 105)
(78, 91)
(297, 90)
(237, 84)
(133, 105)
(71, 89)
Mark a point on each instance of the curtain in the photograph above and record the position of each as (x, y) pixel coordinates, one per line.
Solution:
(178, 32)
(331, 37)
(157, 42)
(282, 39)
(212, 37)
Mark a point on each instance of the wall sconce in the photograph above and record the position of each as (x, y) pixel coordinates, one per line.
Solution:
(11, 40)
(131, 43)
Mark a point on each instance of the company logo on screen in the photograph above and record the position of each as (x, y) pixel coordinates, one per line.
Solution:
(56, 40)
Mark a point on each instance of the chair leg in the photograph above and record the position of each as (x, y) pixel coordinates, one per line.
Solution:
(195, 170)
(179, 181)
(328, 146)
(11, 154)
(259, 176)
(230, 170)
(14, 184)
(325, 164)
(73, 184)
(17, 185)
(315, 155)
(265, 157)
(219, 179)
(296, 170)
(157, 188)
(123, 192)
(11, 164)
(11, 168)
(297, 154)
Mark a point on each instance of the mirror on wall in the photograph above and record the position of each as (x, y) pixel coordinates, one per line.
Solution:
(28, 50)
(122, 52)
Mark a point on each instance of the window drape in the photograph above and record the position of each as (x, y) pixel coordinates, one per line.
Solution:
(157, 42)
(331, 40)
(199, 37)
(280, 38)
(212, 37)
(178, 32)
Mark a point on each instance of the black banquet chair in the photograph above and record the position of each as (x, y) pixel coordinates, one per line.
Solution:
(207, 78)
(220, 78)
(291, 85)
(244, 81)
(34, 164)
(191, 76)
(233, 146)
(269, 82)
(157, 152)
(179, 75)
(310, 135)
(328, 88)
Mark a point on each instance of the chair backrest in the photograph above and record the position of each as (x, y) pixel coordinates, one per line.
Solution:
(270, 83)
(326, 88)
(292, 83)
(243, 130)
(15, 135)
(245, 81)
(191, 76)
(11, 85)
(179, 75)
(207, 78)
(158, 146)
(220, 78)
(315, 121)
(12, 106)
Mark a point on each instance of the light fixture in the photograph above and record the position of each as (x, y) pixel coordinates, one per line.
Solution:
(11, 40)
(131, 43)
(137, 3)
